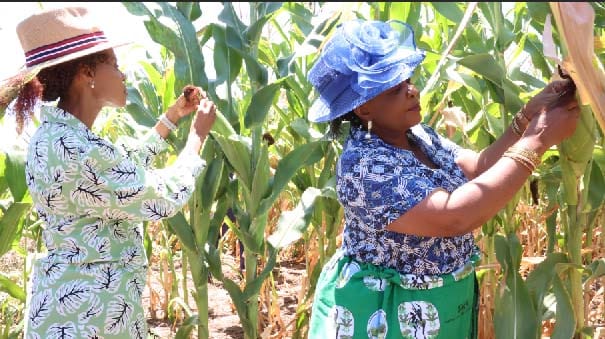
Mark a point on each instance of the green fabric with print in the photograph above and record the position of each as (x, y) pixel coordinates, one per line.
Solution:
(360, 300)
(93, 197)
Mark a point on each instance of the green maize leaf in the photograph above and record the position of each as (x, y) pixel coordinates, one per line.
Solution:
(151, 97)
(303, 155)
(512, 93)
(227, 63)
(408, 12)
(191, 10)
(10, 224)
(15, 174)
(182, 42)
(14, 290)
(213, 255)
(261, 102)
(185, 329)
(449, 10)
(238, 300)
(534, 48)
(565, 320)
(3, 181)
(229, 16)
(248, 239)
(253, 287)
(579, 147)
(538, 11)
(515, 315)
(260, 180)
(237, 150)
(168, 89)
(265, 11)
(211, 182)
(540, 278)
(222, 126)
(300, 16)
(485, 65)
(179, 226)
(596, 269)
(138, 109)
(292, 224)
(596, 189)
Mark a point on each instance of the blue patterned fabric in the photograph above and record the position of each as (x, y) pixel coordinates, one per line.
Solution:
(377, 183)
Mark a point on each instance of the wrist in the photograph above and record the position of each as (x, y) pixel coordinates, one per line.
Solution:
(173, 115)
(532, 143)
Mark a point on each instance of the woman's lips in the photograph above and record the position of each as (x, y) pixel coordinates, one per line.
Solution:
(415, 108)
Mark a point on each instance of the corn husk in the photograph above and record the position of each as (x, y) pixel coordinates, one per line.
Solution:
(575, 24)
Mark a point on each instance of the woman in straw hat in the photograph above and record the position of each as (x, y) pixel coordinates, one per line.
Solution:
(411, 197)
(91, 194)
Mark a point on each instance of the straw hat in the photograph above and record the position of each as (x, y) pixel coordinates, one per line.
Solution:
(52, 37)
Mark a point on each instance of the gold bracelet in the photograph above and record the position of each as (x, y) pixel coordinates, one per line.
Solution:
(531, 155)
(516, 127)
(523, 161)
(522, 114)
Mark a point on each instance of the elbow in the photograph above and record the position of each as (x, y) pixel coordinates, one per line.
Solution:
(462, 225)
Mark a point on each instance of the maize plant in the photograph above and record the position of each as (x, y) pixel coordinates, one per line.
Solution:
(483, 62)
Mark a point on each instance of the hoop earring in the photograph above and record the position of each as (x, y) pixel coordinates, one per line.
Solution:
(368, 136)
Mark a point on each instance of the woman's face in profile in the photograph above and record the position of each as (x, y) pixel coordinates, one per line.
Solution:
(394, 110)
(109, 82)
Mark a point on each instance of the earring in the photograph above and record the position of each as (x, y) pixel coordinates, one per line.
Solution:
(368, 136)
(92, 84)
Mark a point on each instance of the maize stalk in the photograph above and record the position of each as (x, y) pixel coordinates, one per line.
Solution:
(575, 23)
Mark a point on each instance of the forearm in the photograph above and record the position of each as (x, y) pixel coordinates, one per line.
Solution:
(444, 214)
(491, 154)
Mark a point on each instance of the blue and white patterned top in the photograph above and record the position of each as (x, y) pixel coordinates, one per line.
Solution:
(377, 183)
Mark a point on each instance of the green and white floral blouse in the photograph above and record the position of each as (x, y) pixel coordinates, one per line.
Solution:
(93, 197)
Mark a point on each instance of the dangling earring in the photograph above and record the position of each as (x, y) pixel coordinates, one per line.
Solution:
(92, 84)
(368, 136)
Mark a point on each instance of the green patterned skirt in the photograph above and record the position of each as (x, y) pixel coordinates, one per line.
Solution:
(360, 300)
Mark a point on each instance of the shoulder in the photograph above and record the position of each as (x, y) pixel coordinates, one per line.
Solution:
(433, 138)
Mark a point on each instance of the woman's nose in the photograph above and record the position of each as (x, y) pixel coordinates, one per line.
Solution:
(412, 91)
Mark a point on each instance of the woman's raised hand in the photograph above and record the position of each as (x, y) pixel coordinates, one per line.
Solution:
(546, 98)
(201, 124)
(204, 118)
(555, 125)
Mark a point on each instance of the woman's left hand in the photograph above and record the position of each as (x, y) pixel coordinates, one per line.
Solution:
(545, 99)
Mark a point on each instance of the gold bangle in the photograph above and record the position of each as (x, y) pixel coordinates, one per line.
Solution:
(522, 114)
(516, 128)
(531, 155)
(519, 159)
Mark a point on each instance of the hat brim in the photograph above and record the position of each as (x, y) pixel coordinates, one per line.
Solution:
(30, 72)
(10, 86)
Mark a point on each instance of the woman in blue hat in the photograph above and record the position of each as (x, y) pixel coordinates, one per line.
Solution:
(411, 197)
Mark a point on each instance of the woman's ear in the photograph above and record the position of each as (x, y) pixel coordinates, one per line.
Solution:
(362, 113)
(85, 75)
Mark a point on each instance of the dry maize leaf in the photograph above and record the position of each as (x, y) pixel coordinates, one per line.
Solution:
(575, 24)
(454, 117)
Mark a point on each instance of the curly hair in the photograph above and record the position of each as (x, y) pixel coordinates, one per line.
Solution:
(51, 84)
(335, 130)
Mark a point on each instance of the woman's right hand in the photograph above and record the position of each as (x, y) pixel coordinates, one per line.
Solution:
(552, 126)
(201, 124)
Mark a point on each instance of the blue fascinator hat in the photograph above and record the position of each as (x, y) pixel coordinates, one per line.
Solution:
(362, 59)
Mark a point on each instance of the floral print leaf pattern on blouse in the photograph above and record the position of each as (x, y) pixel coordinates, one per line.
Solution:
(93, 196)
(377, 183)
